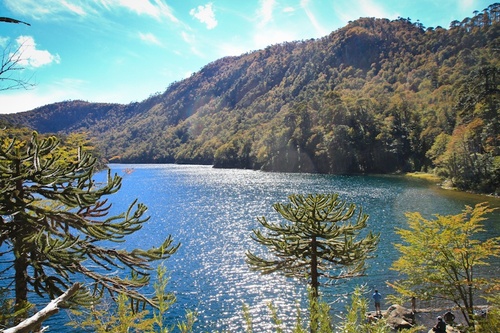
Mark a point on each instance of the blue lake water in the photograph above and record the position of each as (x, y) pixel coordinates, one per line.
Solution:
(212, 212)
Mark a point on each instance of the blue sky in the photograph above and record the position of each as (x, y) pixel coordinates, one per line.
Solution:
(125, 50)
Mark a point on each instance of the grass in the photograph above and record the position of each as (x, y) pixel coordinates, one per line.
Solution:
(424, 175)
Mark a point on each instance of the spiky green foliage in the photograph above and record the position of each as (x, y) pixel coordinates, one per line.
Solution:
(317, 309)
(123, 317)
(7, 313)
(440, 258)
(354, 321)
(54, 221)
(319, 312)
(317, 240)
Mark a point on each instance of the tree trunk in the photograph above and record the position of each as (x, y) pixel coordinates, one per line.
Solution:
(20, 253)
(21, 274)
(314, 285)
(314, 267)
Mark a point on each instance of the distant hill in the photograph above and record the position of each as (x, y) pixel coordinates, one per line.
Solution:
(375, 96)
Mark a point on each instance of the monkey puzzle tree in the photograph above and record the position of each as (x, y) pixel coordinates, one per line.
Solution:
(55, 226)
(440, 258)
(317, 241)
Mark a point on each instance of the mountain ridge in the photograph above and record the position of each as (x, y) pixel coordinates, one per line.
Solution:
(372, 96)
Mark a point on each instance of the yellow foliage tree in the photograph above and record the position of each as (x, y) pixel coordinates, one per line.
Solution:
(440, 258)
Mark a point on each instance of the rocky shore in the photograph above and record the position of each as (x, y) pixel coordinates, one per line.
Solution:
(398, 317)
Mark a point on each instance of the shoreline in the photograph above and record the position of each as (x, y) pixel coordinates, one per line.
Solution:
(443, 183)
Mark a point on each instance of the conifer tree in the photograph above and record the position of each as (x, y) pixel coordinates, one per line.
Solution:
(317, 242)
(55, 226)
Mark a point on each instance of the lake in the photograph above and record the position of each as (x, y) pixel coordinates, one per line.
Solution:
(212, 212)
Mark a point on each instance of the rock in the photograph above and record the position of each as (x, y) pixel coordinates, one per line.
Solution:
(449, 329)
(399, 317)
(372, 317)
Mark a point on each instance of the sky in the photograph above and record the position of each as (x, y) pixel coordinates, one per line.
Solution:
(123, 51)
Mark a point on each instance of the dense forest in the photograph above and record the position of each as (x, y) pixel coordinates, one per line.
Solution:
(376, 96)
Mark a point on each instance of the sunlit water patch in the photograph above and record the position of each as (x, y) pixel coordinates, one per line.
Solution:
(212, 212)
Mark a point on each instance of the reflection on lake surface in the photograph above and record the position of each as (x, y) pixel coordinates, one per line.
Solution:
(212, 212)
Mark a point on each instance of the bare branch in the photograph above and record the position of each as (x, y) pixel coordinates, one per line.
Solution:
(11, 20)
(12, 64)
(38, 318)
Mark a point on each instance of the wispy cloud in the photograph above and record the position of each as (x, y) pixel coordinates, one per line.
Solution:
(74, 8)
(39, 9)
(190, 39)
(304, 4)
(57, 9)
(141, 7)
(157, 9)
(4, 41)
(205, 14)
(33, 57)
(149, 38)
(265, 11)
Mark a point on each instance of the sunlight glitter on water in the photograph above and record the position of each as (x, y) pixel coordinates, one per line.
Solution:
(212, 212)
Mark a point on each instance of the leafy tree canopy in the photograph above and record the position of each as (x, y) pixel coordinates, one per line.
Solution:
(440, 258)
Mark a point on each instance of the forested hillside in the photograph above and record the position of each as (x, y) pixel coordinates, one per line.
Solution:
(376, 96)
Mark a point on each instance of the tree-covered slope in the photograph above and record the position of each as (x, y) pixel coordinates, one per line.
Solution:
(375, 96)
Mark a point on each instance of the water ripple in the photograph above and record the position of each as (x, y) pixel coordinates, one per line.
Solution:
(212, 212)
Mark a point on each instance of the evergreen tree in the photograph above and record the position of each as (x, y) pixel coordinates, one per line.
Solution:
(318, 241)
(55, 227)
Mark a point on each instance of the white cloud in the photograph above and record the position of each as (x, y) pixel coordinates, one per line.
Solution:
(44, 9)
(4, 41)
(319, 29)
(32, 57)
(57, 9)
(360, 8)
(149, 38)
(205, 14)
(288, 10)
(139, 6)
(166, 11)
(265, 12)
(74, 8)
(158, 9)
(190, 39)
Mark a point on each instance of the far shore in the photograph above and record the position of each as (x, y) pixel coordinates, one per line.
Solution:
(443, 183)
